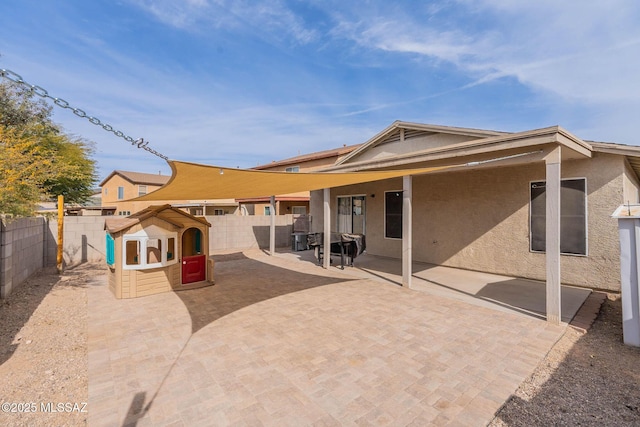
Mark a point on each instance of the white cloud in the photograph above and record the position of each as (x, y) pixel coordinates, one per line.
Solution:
(587, 51)
(270, 19)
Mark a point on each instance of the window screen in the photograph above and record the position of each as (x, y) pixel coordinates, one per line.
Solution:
(573, 216)
(393, 214)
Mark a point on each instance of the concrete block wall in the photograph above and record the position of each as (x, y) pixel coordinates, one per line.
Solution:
(229, 232)
(29, 244)
(22, 249)
(84, 240)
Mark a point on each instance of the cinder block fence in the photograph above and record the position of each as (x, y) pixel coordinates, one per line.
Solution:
(30, 244)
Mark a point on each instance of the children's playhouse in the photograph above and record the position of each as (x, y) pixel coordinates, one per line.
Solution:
(158, 249)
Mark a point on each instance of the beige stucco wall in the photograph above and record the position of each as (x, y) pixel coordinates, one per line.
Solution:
(479, 220)
(631, 185)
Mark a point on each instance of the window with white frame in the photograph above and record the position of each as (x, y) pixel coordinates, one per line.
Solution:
(573, 216)
(142, 190)
(120, 193)
(293, 169)
(151, 247)
(267, 210)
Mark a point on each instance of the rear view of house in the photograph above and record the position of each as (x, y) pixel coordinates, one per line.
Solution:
(488, 210)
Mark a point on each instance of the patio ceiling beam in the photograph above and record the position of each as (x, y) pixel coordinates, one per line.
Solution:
(552, 194)
(407, 228)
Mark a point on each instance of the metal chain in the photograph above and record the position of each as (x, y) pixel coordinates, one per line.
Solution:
(42, 93)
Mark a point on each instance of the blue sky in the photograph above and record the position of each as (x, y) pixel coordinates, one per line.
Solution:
(241, 83)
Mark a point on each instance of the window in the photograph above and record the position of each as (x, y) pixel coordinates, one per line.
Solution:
(132, 252)
(146, 248)
(218, 212)
(171, 248)
(351, 214)
(267, 210)
(573, 216)
(142, 190)
(120, 193)
(293, 169)
(299, 210)
(154, 251)
(393, 214)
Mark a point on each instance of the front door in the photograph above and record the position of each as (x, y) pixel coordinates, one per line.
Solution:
(194, 260)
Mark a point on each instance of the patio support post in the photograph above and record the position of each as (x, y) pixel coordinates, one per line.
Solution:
(552, 193)
(272, 227)
(326, 261)
(407, 227)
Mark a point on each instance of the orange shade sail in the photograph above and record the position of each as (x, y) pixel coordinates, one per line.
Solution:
(192, 181)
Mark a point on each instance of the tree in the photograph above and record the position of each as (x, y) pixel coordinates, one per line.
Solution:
(37, 160)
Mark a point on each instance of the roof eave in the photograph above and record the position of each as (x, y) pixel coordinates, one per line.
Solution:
(554, 134)
(417, 126)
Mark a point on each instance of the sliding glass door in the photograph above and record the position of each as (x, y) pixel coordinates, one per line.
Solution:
(351, 214)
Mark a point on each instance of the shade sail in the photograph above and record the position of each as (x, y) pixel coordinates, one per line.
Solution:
(190, 181)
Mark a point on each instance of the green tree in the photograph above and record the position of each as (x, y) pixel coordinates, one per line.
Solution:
(37, 160)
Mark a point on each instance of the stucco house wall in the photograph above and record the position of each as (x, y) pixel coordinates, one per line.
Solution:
(479, 219)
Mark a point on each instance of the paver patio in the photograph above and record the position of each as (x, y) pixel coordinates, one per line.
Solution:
(279, 341)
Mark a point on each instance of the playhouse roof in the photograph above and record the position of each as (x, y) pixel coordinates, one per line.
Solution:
(114, 225)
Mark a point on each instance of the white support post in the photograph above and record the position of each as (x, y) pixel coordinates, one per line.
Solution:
(407, 228)
(272, 227)
(327, 229)
(552, 191)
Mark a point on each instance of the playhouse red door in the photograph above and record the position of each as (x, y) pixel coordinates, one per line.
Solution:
(193, 268)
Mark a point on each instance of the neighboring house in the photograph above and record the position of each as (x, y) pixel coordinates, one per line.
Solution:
(121, 186)
(92, 207)
(296, 203)
(489, 213)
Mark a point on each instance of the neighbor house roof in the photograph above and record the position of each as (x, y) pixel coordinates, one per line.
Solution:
(139, 178)
(334, 152)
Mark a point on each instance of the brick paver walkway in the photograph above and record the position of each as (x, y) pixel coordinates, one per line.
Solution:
(283, 343)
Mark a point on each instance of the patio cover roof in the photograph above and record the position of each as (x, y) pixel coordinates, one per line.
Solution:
(203, 182)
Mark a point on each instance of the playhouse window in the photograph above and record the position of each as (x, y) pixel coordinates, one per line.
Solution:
(149, 248)
(171, 248)
(154, 251)
(132, 252)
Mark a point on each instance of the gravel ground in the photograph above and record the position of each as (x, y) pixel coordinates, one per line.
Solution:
(590, 379)
(586, 379)
(43, 350)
